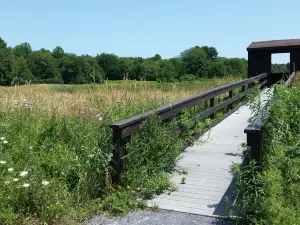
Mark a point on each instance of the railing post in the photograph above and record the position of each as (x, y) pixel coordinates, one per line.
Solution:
(230, 96)
(118, 154)
(254, 142)
(212, 104)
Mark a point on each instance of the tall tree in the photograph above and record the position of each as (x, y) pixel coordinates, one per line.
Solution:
(195, 61)
(44, 67)
(6, 59)
(111, 65)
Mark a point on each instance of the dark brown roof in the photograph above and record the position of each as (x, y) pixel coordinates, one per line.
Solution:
(275, 44)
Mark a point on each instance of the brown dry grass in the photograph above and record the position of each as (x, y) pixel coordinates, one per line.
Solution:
(127, 97)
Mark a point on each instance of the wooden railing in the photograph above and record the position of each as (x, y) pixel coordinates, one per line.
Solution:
(127, 127)
(254, 130)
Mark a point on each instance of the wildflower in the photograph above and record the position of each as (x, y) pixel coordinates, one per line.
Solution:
(2, 138)
(100, 205)
(44, 182)
(7, 182)
(90, 155)
(10, 169)
(2, 162)
(26, 185)
(15, 179)
(23, 173)
(30, 148)
(5, 142)
(100, 118)
(128, 187)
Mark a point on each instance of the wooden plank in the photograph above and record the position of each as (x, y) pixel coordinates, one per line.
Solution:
(178, 106)
(206, 185)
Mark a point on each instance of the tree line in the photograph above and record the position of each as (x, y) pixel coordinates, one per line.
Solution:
(20, 65)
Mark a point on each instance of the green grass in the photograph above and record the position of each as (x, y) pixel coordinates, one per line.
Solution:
(272, 195)
(65, 155)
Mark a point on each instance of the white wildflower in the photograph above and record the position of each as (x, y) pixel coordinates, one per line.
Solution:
(90, 155)
(2, 138)
(44, 182)
(5, 142)
(15, 179)
(23, 173)
(2, 162)
(100, 118)
(7, 182)
(30, 148)
(26, 185)
(10, 169)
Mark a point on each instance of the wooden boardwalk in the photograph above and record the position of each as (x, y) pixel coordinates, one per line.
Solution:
(208, 161)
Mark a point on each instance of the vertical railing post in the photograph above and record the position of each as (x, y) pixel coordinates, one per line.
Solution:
(118, 154)
(212, 104)
(243, 90)
(230, 96)
(254, 142)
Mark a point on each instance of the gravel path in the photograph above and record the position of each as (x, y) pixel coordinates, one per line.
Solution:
(161, 217)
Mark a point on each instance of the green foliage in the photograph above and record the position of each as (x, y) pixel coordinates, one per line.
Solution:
(43, 66)
(271, 196)
(20, 65)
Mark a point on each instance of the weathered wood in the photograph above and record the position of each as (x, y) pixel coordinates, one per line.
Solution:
(254, 131)
(212, 105)
(230, 95)
(118, 154)
(127, 127)
(170, 110)
(207, 162)
(289, 80)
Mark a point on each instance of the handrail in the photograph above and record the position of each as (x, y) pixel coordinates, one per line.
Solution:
(254, 130)
(193, 99)
(289, 81)
(127, 127)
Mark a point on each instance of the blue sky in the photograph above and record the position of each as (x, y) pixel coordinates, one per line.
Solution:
(146, 27)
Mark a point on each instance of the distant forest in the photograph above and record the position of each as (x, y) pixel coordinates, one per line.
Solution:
(21, 65)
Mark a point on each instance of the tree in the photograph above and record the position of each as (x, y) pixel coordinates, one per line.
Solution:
(111, 65)
(22, 50)
(157, 57)
(217, 68)
(166, 72)
(211, 52)
(89, 71)
(6, 60)
(69, 68)
(148, 71)
(44, 67)
(2, 43)
(58, 52)
(236, 66)
(195, 61)
(20, 71)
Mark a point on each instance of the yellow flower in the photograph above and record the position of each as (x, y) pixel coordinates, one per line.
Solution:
(128, 187)
(100, 206)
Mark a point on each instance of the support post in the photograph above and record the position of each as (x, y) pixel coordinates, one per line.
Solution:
(118, 164)
(230, 96)
(212, 104)
(254, 142)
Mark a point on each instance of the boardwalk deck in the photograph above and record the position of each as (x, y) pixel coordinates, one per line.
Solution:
(208, 163)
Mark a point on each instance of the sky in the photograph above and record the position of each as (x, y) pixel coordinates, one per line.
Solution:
(146, 27)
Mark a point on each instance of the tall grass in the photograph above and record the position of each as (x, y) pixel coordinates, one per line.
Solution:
(55, 148)
(272, 195)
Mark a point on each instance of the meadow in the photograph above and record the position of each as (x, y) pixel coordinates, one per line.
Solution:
(55, 148)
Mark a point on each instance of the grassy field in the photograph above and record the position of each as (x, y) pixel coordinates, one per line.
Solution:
(55, 148)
